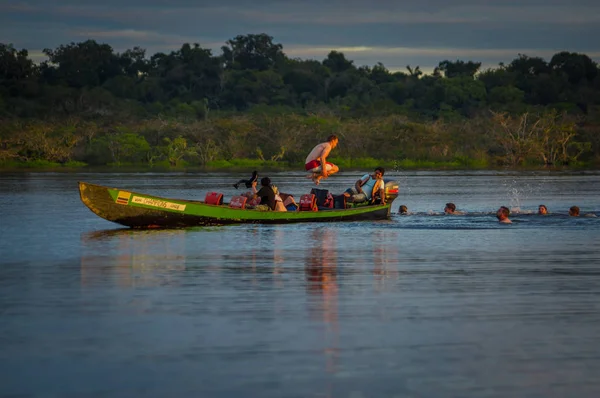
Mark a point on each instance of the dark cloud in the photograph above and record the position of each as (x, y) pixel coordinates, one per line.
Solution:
(393, 32)
(423, 4)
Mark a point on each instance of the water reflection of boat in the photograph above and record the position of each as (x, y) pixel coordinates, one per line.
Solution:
(127, 257)
(321, 279)
(106, 234)
(144, 211)
(385, 258)
(379, 257)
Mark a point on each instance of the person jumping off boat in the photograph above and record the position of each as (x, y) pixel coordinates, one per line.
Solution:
(318, 157)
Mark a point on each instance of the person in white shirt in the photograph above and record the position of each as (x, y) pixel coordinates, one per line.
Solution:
(367, 188)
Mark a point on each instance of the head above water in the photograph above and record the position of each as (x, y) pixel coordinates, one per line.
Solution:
(503, 213)
(403, 209)
(450, 208)
(574, 211)
(542, 209)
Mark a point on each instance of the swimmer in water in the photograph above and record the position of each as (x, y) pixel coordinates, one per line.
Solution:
(574, 212)
(542, 210)
(451, 209)
(502, 215)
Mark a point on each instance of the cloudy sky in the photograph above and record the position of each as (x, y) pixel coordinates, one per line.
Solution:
(396, 33)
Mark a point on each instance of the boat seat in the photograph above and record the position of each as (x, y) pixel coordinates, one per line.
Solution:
(213, 198)
(238, 202)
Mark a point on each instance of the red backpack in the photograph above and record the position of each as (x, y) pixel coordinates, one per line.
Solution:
(308, 202)
(214, 198)
(238, 202)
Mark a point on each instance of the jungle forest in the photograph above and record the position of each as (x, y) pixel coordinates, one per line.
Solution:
(87, 105)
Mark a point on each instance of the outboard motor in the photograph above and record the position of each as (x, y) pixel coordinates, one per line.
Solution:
(391, 190)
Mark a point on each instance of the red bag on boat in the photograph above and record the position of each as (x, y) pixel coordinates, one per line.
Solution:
(213, 198)
(238, 202)
(329, 201)
(308, 202)
(253, 202)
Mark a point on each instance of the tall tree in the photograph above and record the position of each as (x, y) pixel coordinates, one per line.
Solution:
(14, 65)
(85, 64)
(134, 62)
(459, 68)
(254, 51)
(337, 62)
(528, 66)
(380, 74)
(577, 67)
(415, 72)
(191, 73)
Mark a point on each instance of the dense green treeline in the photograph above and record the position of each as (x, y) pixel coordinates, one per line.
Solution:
(88, 104)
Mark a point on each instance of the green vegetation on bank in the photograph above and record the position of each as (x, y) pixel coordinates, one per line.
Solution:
(253, 107)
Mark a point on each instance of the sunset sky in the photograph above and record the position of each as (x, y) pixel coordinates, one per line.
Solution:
(396, 33)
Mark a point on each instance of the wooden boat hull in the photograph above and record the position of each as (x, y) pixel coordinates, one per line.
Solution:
(138, 210)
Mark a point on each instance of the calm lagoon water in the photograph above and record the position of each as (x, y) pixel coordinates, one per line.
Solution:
(423, 305)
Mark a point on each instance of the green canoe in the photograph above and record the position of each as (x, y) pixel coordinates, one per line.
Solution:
(139, 210)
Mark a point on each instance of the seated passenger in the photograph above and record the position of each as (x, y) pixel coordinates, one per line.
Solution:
(368, 188)
(289, 202)
(279, 205)
(266, 193)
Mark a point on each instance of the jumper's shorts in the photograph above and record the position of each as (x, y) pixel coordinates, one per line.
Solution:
(314, 166)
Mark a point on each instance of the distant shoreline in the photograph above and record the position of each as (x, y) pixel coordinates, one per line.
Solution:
(391, 166)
